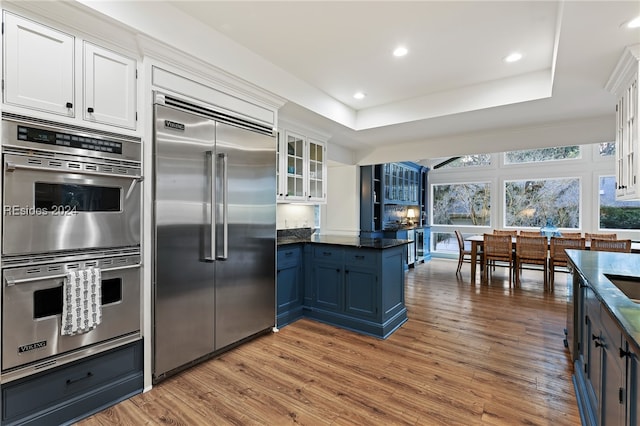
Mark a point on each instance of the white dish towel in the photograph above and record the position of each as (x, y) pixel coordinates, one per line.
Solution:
(81, 301)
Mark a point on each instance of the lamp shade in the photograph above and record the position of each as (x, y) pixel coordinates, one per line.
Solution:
(411, 214)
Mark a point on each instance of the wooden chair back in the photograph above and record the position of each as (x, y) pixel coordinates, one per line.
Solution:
(623, 246)
(571, 234)
(588, 236)
(524, 233)
(559, 244)
(497, 247)
(510, 232)
(531, 248)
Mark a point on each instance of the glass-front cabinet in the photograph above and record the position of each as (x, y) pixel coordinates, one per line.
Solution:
(302, 168)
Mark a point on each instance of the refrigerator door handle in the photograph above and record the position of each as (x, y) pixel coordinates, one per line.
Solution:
(225, 208)
(212, 188)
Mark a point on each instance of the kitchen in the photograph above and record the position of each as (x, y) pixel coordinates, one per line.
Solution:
(162, 68)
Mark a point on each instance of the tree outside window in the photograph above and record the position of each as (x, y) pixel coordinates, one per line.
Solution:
(542, 154)
(616, 214)
(534, 203)
(462, 204)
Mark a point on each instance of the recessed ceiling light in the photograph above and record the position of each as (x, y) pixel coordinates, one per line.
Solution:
(400, 51)
(359, 95)
(634, 23)
(513, 57)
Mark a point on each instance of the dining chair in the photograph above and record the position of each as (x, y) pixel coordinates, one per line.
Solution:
(571, 234)
(589, 236)
(511, 232)
(558, 256)
(530, 233)
(465, 252)
(497, 248)
(623, 246)
(531, 250)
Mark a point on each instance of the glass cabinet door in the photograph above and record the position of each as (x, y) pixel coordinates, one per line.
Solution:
(295, 166)
(316, 170)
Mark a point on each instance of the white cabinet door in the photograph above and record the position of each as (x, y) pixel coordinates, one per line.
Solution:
(295, 172)
(109, 87)
(39, 64)
(317, 173)
(627, 149)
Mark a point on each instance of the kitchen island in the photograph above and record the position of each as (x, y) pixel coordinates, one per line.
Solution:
(603, 332)
(350, 282)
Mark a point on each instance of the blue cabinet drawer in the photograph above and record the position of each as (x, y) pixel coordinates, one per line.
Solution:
(328, 253)
(361, 257)
(75, 390)
(288, 256)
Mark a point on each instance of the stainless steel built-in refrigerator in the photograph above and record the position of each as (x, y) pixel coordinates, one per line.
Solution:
(214, 281)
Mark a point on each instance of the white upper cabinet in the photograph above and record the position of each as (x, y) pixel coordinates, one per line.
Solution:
(38, 66)
(109, 87)
(43, 66)
(302, 169)
(624, 84)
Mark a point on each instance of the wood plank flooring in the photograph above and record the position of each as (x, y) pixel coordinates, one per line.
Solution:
(470, 354)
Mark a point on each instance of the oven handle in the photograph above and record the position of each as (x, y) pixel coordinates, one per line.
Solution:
(11, 281)
(10, 167)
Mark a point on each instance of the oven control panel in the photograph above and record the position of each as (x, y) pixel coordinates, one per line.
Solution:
(50, 137)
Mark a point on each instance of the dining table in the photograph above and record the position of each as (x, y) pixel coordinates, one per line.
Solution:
(477, 241)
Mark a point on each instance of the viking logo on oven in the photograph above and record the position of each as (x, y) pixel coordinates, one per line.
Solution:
(32, 346)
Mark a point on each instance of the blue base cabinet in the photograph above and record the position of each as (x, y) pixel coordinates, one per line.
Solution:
(68, 393)
(289, 284)
(356, 288)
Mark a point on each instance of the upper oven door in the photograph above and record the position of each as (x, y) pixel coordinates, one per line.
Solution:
(52, 205)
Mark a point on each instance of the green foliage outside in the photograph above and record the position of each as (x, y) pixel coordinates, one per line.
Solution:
(619, 217)
(542, 154)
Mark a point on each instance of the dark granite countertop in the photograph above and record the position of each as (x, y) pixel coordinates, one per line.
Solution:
(339, 240)
(593, 266)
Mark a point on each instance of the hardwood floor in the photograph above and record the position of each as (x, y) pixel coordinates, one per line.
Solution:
(470, 354)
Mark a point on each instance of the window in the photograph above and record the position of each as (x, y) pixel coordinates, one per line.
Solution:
(477, 160)
(616, 214)
(607, 149)
(532, 203)
(462, 204)
(542, 154)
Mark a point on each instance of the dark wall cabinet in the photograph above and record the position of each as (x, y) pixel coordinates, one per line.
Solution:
(605, 366)
(70, 392)
(355, 288)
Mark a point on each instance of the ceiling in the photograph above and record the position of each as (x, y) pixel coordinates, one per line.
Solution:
(452, 81)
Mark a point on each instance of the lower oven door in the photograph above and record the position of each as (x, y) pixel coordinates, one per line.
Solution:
(50, 207)
(32, 301)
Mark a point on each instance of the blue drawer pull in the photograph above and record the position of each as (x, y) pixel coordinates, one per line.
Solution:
(326, 253)
(359, 256)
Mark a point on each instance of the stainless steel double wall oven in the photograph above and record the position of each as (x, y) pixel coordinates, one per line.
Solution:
(71, 202)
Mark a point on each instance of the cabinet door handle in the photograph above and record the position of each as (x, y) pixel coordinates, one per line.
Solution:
(90, 110)
(69, 105)
(600, 345)
(326, 253)
(594, 337)
(76, 380)
(624, 353)
(359, 256)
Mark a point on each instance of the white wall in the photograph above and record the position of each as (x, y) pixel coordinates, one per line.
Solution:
(294, 216)
(341, 214)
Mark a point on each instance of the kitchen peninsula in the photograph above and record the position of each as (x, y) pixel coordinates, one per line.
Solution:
(350, 282)
(603, 335)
